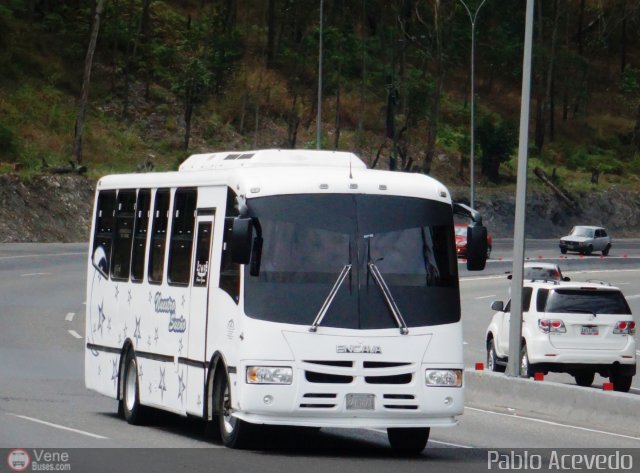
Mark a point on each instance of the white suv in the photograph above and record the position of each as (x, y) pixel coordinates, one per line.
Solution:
(580, 328)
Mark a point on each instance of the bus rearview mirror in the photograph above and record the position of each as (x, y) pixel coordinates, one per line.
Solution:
(241, 240)
(99, 261)
(476, 247)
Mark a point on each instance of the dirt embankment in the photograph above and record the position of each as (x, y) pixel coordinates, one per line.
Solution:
(57, 208)
(49, 208)
(550, 217)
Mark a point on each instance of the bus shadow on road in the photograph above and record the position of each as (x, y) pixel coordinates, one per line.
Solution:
(301, 441)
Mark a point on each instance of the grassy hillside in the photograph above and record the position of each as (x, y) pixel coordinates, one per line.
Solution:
(147, 63)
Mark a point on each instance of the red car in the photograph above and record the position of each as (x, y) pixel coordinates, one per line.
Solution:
(461, 240)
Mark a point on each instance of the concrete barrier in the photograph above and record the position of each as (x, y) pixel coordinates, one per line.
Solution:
(609, 411)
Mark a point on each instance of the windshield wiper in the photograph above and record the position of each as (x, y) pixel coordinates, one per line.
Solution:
(391, 303)
(332, 294)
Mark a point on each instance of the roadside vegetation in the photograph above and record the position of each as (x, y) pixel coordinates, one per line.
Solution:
(171, 78)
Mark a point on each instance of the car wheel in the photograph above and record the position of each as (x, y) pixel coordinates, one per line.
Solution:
(584, 379)
(131, 408)
(235, 433)
(492, 358)
(526, 370)
(563, 251)
(409, 440)
(605, 252)
(621, 383)
(589, 250)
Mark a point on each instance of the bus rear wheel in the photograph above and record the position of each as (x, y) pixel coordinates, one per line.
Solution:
(234, 432)
(130, 402)
(409, 440)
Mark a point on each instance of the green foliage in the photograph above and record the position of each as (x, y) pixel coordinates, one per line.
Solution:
(452, 138)
(593, 158)
(8, 142)
(630, 81)
(497, 138)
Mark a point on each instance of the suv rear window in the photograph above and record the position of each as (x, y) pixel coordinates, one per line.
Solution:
(598, 302)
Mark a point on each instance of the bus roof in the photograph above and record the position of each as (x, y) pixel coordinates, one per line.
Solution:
(271, 157)
(275, 172)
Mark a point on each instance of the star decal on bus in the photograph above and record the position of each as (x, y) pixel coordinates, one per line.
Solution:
(114, 372)
(136, 332)
(161, 385)
(101, 316)
(181, 386)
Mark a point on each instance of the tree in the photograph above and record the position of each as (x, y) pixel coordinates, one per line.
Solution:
(86, 80)
(497, 138)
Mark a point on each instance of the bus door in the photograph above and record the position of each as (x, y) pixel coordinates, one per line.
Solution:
(198, 312)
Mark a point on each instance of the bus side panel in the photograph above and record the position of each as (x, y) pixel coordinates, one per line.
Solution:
(224, 328)
(202, 306)
(101, 367)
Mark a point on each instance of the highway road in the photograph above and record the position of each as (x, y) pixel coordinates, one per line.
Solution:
(43, 402)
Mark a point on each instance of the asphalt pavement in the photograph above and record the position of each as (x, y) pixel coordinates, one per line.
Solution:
(44, 404)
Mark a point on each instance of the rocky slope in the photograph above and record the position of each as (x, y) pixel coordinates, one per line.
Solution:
(48, 208)
(549, 217)
(57, 208)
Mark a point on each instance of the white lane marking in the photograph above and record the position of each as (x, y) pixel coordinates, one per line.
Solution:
(548, 422)
(58, 426)
(28, 275)
(74, 334)
(635, 296)
(41, 255)
(485, 297)
(382, 431)
(450, 444)
(69, 316)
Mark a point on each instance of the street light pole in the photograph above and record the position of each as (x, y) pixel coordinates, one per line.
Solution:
(515, 325)
(319, 119)
(472, 18)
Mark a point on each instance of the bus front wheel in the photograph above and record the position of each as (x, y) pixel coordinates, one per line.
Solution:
(235, 433)
(409, 440)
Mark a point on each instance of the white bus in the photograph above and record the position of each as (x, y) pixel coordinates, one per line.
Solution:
(280, 287)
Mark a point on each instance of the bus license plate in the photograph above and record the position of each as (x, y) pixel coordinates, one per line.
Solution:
(360, 402)
(587, 330)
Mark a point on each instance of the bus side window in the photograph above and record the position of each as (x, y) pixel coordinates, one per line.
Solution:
(182, 228)
(125, 210)
(158, 235)
(229, 271)
(140, 224)
(203, 247)
(105, 219)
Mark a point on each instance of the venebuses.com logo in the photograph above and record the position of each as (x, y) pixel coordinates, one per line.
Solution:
(18, 459)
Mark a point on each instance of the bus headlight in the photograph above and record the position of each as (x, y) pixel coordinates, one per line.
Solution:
(269, 375)
(449, 378)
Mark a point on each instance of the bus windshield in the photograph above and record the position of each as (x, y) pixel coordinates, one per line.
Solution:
(310, 238)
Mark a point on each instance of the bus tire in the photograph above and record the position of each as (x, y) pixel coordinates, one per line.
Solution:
(131, 408)
(411, 441)
(234, 432)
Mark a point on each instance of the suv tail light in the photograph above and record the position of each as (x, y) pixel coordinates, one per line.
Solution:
(551, 326)
(625, 327)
